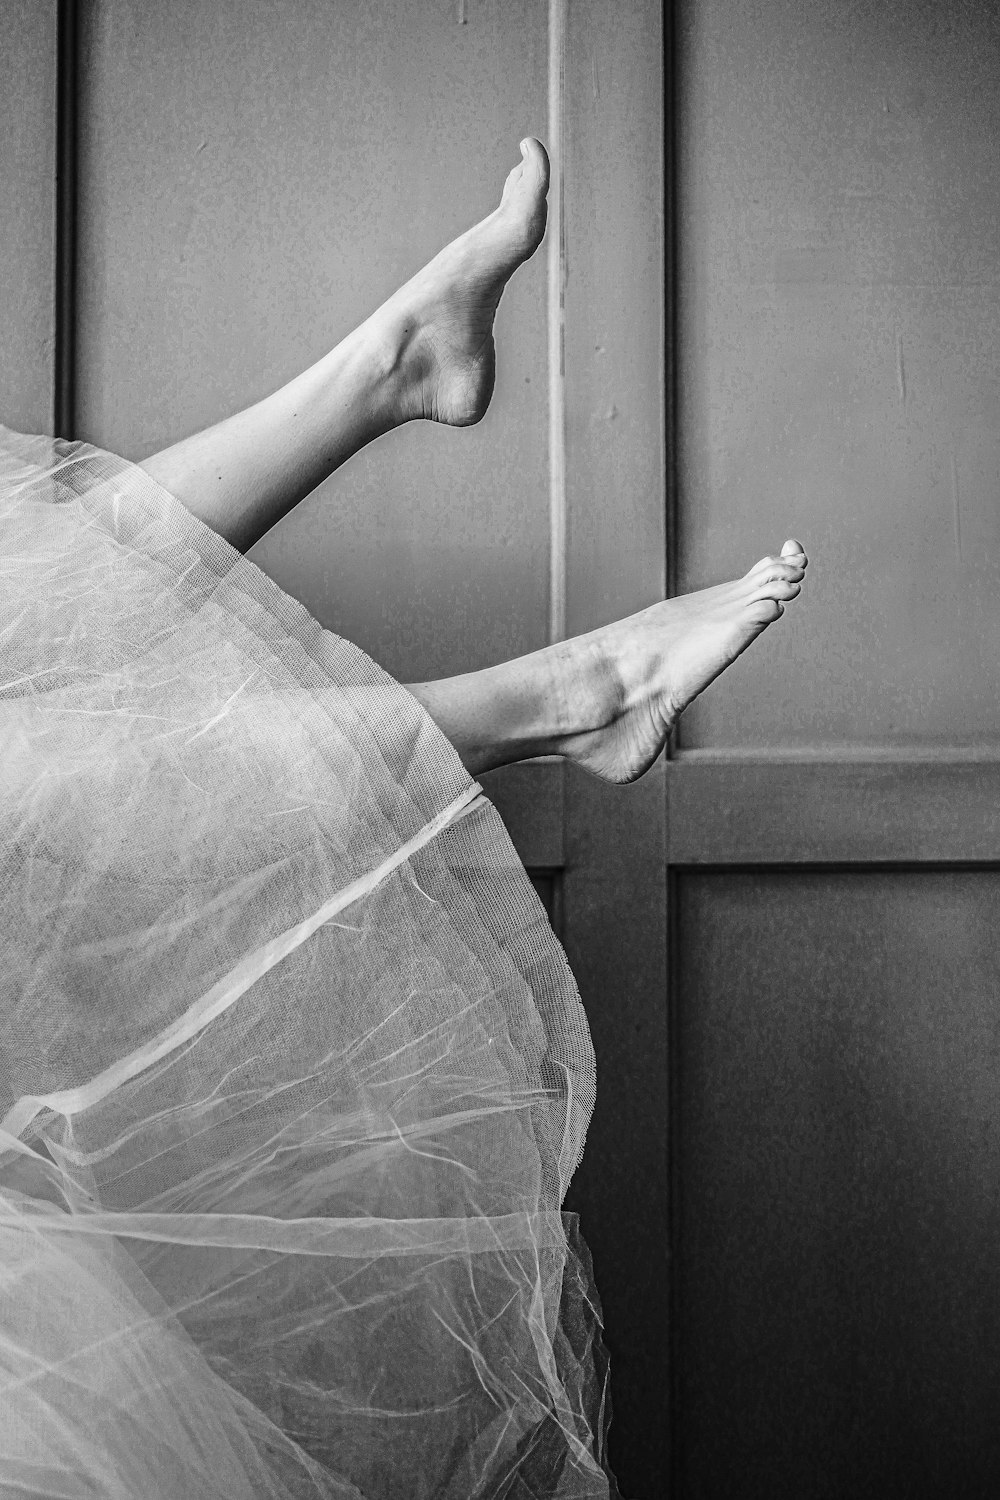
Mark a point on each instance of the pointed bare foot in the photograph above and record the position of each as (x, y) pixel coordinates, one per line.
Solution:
(626, 685)
(440, 324)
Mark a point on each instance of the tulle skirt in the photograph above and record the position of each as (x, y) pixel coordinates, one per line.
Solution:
(293, 1073)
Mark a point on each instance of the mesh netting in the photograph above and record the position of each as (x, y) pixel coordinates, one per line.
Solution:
(293, 1073)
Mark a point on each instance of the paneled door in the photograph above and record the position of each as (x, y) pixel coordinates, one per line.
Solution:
(239, 185)
(834, 803)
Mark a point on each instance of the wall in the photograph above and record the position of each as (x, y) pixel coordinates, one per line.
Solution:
(833, 827)
(840, 369)
(27, 223)
(254, 184)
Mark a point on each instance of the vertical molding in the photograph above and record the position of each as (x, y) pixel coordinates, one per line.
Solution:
(674, 1477)
(64, 362)
(672, 1262)
(670, 268)
(556, 314)
(671, 473)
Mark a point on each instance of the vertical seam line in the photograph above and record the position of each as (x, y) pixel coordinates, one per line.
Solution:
(556, 317)
(64, 354)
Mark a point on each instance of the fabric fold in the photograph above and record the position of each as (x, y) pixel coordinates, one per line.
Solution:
(293, 1072)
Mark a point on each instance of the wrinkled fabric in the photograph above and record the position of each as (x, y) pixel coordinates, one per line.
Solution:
(293, 1073)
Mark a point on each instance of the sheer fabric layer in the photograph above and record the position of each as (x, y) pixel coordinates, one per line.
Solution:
(293, 1073)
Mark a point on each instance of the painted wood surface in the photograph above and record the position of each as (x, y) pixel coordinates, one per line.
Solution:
(767, 811)
(839, 375)
(834, 1034)
(838, 1152)
(27, 222)
(615, 881)
(257, 180)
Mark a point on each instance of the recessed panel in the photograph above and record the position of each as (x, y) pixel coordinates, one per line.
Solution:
(837, 1053)
(839, 375)
(27, 224)
(256, 180)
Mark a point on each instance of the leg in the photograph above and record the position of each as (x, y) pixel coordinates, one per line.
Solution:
(427, 352)
(608, 700)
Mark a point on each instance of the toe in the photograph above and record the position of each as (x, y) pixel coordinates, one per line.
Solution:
(777, 569)
(528, 182)
(784, 585)
(523, 203)
(537, 159)
(765, 610)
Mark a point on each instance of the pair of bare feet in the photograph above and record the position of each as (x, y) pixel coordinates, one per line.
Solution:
(617, 692)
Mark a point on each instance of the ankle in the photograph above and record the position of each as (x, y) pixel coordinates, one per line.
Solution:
(401, 362)
(379, 348)
(585, 687)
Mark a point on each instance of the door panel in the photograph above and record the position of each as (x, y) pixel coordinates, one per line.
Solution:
(27, 223)
(838, 1076)
(839, 370)
(254, 181)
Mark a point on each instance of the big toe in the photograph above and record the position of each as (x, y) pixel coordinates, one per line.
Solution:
(527, 185)
(536, 162)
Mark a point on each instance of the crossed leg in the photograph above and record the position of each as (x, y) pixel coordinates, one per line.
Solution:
(607, 700)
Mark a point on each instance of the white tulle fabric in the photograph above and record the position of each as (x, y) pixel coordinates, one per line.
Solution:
(293, 1073)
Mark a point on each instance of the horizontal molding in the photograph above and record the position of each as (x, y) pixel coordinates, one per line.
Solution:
(529, 798)
(843, 753)
(940, 806)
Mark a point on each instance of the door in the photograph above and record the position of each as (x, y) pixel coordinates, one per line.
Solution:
(248, 182)
(834, 802)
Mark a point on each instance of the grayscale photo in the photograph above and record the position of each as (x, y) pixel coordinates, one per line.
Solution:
(499, 750)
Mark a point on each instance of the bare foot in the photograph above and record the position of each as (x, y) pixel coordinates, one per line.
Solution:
(441, 322)
(631, 680)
